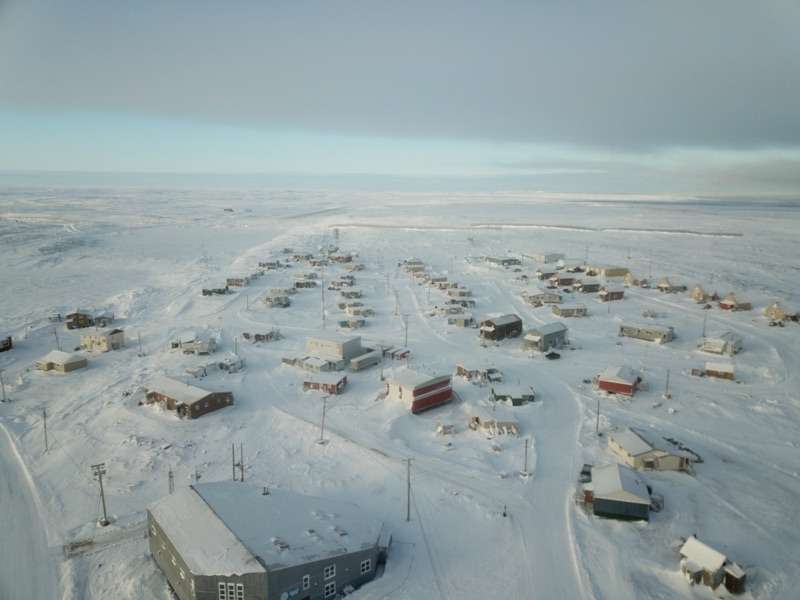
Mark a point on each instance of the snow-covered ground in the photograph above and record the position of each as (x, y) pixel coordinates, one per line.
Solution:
(145, 255)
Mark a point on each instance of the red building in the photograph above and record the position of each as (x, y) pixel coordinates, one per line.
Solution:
(618, 380)
(421, 391)
(333, 384)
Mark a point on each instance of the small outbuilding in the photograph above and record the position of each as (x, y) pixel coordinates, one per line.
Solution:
(574, 310)
(720, 370)
(667, 286)
(611, 293)
(702, 564)
(777, 312)
(725, 343)
(538, 298)
(649, 333)
(588, 286)
(103, 340)
(499, 328)
(6, 344)
(513, 395)
(327, 384)
(618, 380)
(545, 337)
(61, 362)
(732, 303)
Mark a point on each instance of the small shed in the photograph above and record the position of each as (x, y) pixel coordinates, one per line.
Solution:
(328, 384)
(561, 280)
(499, 328)
(618, 380)
(667, 286)
(699, 295)
(618, 492)
(539, 297)
(702, 564)
(459, 292)
(545, 337)
(732, 303)
(462, 320)
(513, 395)
(61, 362)
(777, 312)
(588, 286)
(366, 360)
(103, 340)
(720, 370)
(574, 310)
(725, 343)
(78, 319)
(610, 293)
(649, 333)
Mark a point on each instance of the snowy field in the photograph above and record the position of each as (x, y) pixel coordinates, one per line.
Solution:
(146, 255)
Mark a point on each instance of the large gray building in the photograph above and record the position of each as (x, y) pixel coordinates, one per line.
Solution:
(544, 337)
(234, 541)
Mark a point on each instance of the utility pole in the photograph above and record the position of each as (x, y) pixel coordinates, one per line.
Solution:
(705, 319)
(323, 301)
(667, 395)
(246, 302)
(408, 489)
(525, 468)
(233, 461)
(55, 334)
(98, 471)
(241, 462)
(597, 420)
(3, 386)
(139, 336)
(321, 439)
(405, 330)
(235, 344)
(44, 421)
(171, 480)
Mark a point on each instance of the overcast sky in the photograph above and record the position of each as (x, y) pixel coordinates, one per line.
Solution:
(613, 95)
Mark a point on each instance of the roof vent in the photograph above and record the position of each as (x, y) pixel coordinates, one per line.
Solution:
(280, 544)
(265, 491)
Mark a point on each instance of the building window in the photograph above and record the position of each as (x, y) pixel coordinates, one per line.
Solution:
(182, 574)
(329, 571)
(174, 562)
(153, 530)
(231, 591)
(239, 591)
(330, 589)
(306, 581)
(366, 566)
(222, 595)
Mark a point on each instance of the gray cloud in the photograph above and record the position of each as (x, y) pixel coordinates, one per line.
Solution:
(622, 74)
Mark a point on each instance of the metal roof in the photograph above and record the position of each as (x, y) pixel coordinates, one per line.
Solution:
(221, 527)
(548, 329)
(702, 555)
(617, 482)
(504, 320)
(60, 358)
(179, 391)
(631, 442)
(622, 374)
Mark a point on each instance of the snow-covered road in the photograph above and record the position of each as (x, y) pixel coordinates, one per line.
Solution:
(27, 571)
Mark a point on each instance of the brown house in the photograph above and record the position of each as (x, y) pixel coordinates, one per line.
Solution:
(188, 401)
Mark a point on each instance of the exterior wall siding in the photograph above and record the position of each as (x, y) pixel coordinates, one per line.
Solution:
(206, 587)
(620, 510)
(348, 572)
(617, 388)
